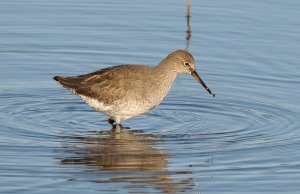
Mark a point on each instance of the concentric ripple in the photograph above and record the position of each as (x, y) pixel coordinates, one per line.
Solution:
(42, 117)
(168, 141)
(244, 122)
(227, 119)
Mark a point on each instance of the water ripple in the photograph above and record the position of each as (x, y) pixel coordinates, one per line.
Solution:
(196, 129)
(252, 124)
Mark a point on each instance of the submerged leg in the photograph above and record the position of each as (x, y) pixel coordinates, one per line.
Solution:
(117, 126)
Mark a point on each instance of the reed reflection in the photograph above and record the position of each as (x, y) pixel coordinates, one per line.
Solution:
(128, 151)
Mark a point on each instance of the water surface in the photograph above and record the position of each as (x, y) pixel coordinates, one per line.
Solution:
(246, 140)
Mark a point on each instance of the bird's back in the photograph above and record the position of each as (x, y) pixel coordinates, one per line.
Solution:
(110, 84)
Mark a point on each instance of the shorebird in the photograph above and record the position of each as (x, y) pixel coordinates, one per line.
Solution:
(126, 91)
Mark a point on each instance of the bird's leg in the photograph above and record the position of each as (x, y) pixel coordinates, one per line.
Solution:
(117, 126)
(110, 120)
(118, 121)
(115, 123)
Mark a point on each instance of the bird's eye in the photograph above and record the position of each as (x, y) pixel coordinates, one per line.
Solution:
(186, 63)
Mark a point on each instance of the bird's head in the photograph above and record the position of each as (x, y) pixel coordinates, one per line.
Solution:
(182, 62)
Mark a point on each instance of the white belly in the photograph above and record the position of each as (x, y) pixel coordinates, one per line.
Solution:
(125, 109)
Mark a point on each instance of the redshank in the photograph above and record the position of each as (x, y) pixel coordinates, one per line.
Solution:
(127, 91)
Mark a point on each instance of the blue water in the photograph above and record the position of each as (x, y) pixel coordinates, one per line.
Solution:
(246, 140)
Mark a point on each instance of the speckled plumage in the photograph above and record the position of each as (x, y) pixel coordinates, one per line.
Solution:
(126, 91)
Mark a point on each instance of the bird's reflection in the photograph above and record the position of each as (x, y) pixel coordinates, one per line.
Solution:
(133, 152)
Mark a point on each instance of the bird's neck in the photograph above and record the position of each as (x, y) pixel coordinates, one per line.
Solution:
(166, 67)
(165, 76)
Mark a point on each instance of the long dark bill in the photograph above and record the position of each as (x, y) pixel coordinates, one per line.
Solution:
(197, 77)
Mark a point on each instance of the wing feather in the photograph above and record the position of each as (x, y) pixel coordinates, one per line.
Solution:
(106, 85)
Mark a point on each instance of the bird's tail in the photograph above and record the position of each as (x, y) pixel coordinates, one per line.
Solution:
(68, 82)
